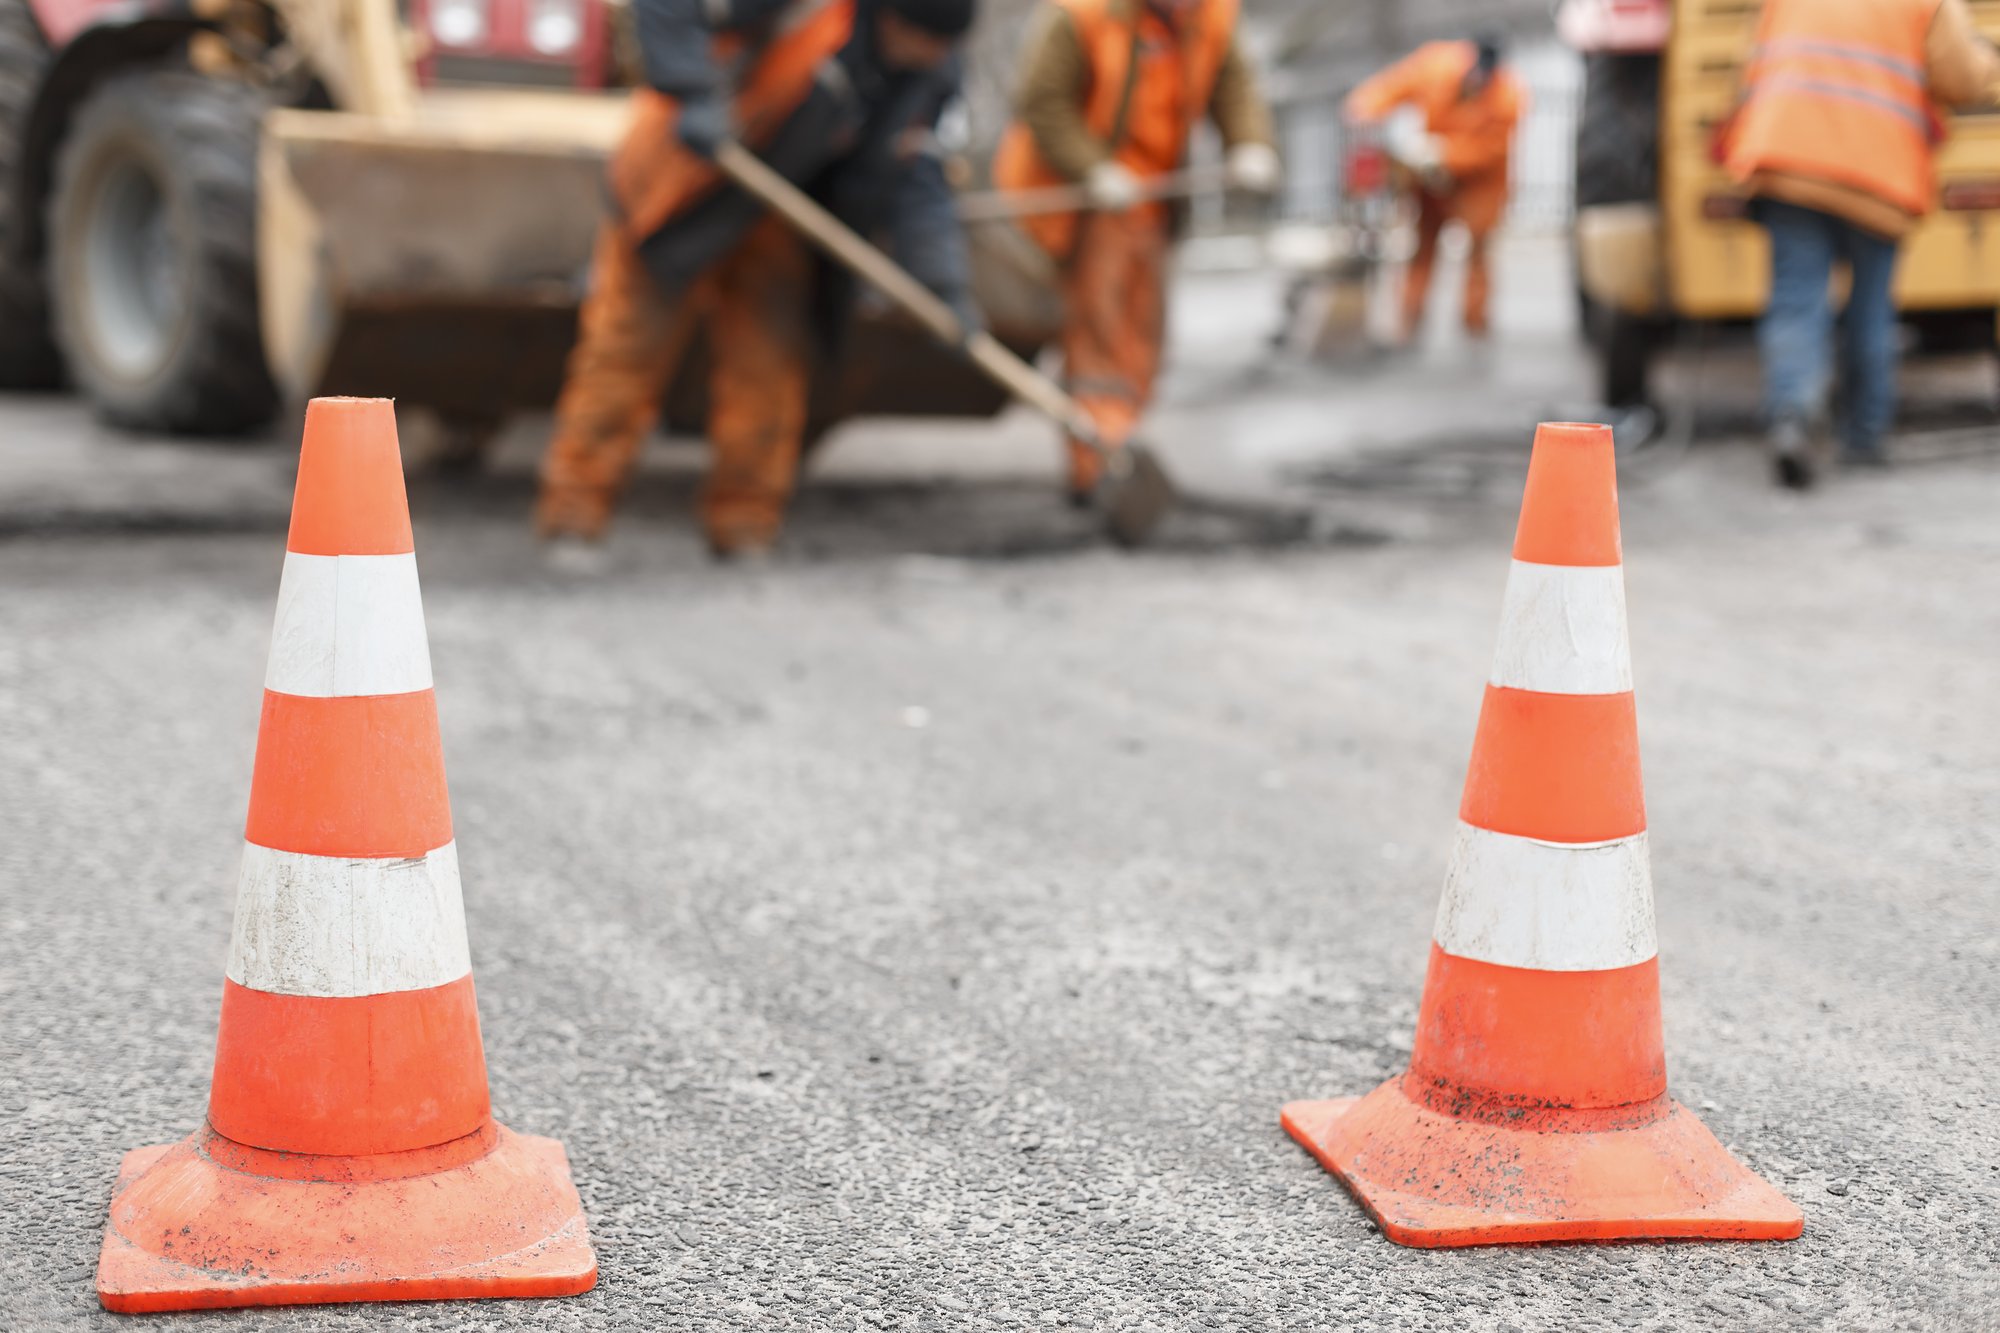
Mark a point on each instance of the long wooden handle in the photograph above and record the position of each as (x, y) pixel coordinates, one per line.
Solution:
(839, 240)
(1006, 205)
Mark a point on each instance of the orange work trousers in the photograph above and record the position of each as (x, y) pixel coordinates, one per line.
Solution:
(1115, 320)
(1433, 212)
(632, 338)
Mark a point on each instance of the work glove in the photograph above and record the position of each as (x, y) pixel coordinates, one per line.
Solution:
(705, 123)
(1429, 165)
(1253, 167)
(1112, 189)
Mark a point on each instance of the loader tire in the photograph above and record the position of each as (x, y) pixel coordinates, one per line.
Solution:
(153, 254)
(28, 356)
(1618, 132)
(1617, 152)
(1625, 351)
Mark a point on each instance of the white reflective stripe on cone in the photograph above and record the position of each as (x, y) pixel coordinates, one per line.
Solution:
(1560, 907)
(1562, 630)
(344, 926)
(349, 624)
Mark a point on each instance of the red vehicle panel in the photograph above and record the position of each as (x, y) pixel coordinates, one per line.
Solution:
(562, 42)
(63, 19)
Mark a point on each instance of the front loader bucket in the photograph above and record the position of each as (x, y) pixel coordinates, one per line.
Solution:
(437, 258)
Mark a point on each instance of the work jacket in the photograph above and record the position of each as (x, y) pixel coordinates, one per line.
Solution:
(1837, 111)
(1124, 81)
(1475, 133)
(812, 97)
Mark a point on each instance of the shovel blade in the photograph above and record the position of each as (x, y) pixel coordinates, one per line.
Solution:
(1136, 496)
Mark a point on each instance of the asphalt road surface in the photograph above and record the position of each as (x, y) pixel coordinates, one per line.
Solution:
(923, 932)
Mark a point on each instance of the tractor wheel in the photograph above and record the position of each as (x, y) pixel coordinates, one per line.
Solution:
(153, 255)
(1625, 351)
(1617, 150)
(1618, 132)
(28, 357)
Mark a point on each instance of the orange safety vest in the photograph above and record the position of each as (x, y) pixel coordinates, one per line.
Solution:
(1477, 131)
(1169, 93)
(654, 176)
(1836, 92)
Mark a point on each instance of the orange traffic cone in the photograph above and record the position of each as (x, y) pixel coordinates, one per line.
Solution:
(350, 1153)
(1535, 1107)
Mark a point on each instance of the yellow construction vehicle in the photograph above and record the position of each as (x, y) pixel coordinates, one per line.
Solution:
(1663, 242)
(209, 207)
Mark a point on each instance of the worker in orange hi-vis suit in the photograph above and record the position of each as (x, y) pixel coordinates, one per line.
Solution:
(1835, 141)
(1110, 92)
(1470, 107)
(841, 97)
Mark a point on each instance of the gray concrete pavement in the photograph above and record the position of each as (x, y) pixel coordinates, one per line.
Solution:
(923, 932)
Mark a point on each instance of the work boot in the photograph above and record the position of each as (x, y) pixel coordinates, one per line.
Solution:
(1865, 457)
(571, 524)
(742, 543)
(1790, 443)
(1086, 469)
(571, 511)
(745, 555)
(575, 557)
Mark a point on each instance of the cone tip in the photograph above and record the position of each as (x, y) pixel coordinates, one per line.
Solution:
(1574, 434)
(344, 413)
(350, 499)
(1569, 513)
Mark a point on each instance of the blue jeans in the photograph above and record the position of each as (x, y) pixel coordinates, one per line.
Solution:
(1796, 333)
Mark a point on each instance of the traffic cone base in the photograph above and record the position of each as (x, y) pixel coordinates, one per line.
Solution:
(1433, 1180)
(206, 1223)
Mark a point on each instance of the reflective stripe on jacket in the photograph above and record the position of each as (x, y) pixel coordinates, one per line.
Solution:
(1169, 92)
(1836, 92)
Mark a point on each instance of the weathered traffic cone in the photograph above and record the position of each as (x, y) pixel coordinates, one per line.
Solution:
(1535, 1106)
(350, 1153)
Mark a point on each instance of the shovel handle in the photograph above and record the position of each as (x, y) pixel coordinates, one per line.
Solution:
(841, 241)
(1007, 205)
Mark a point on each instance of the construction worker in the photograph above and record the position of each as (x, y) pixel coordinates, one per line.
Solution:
(1833, 141)
(841, 97)
(1110, 92)
(1470, 105)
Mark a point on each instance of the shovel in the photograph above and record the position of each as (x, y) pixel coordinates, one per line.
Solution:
(1135, 491)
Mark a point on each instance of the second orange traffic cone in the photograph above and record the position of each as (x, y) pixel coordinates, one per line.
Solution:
(350, 1153)
(1535, 1107)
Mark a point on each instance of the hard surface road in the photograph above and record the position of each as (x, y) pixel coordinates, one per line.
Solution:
(923, 932)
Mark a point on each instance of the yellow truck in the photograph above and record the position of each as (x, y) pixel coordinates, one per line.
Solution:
(1662, 239)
